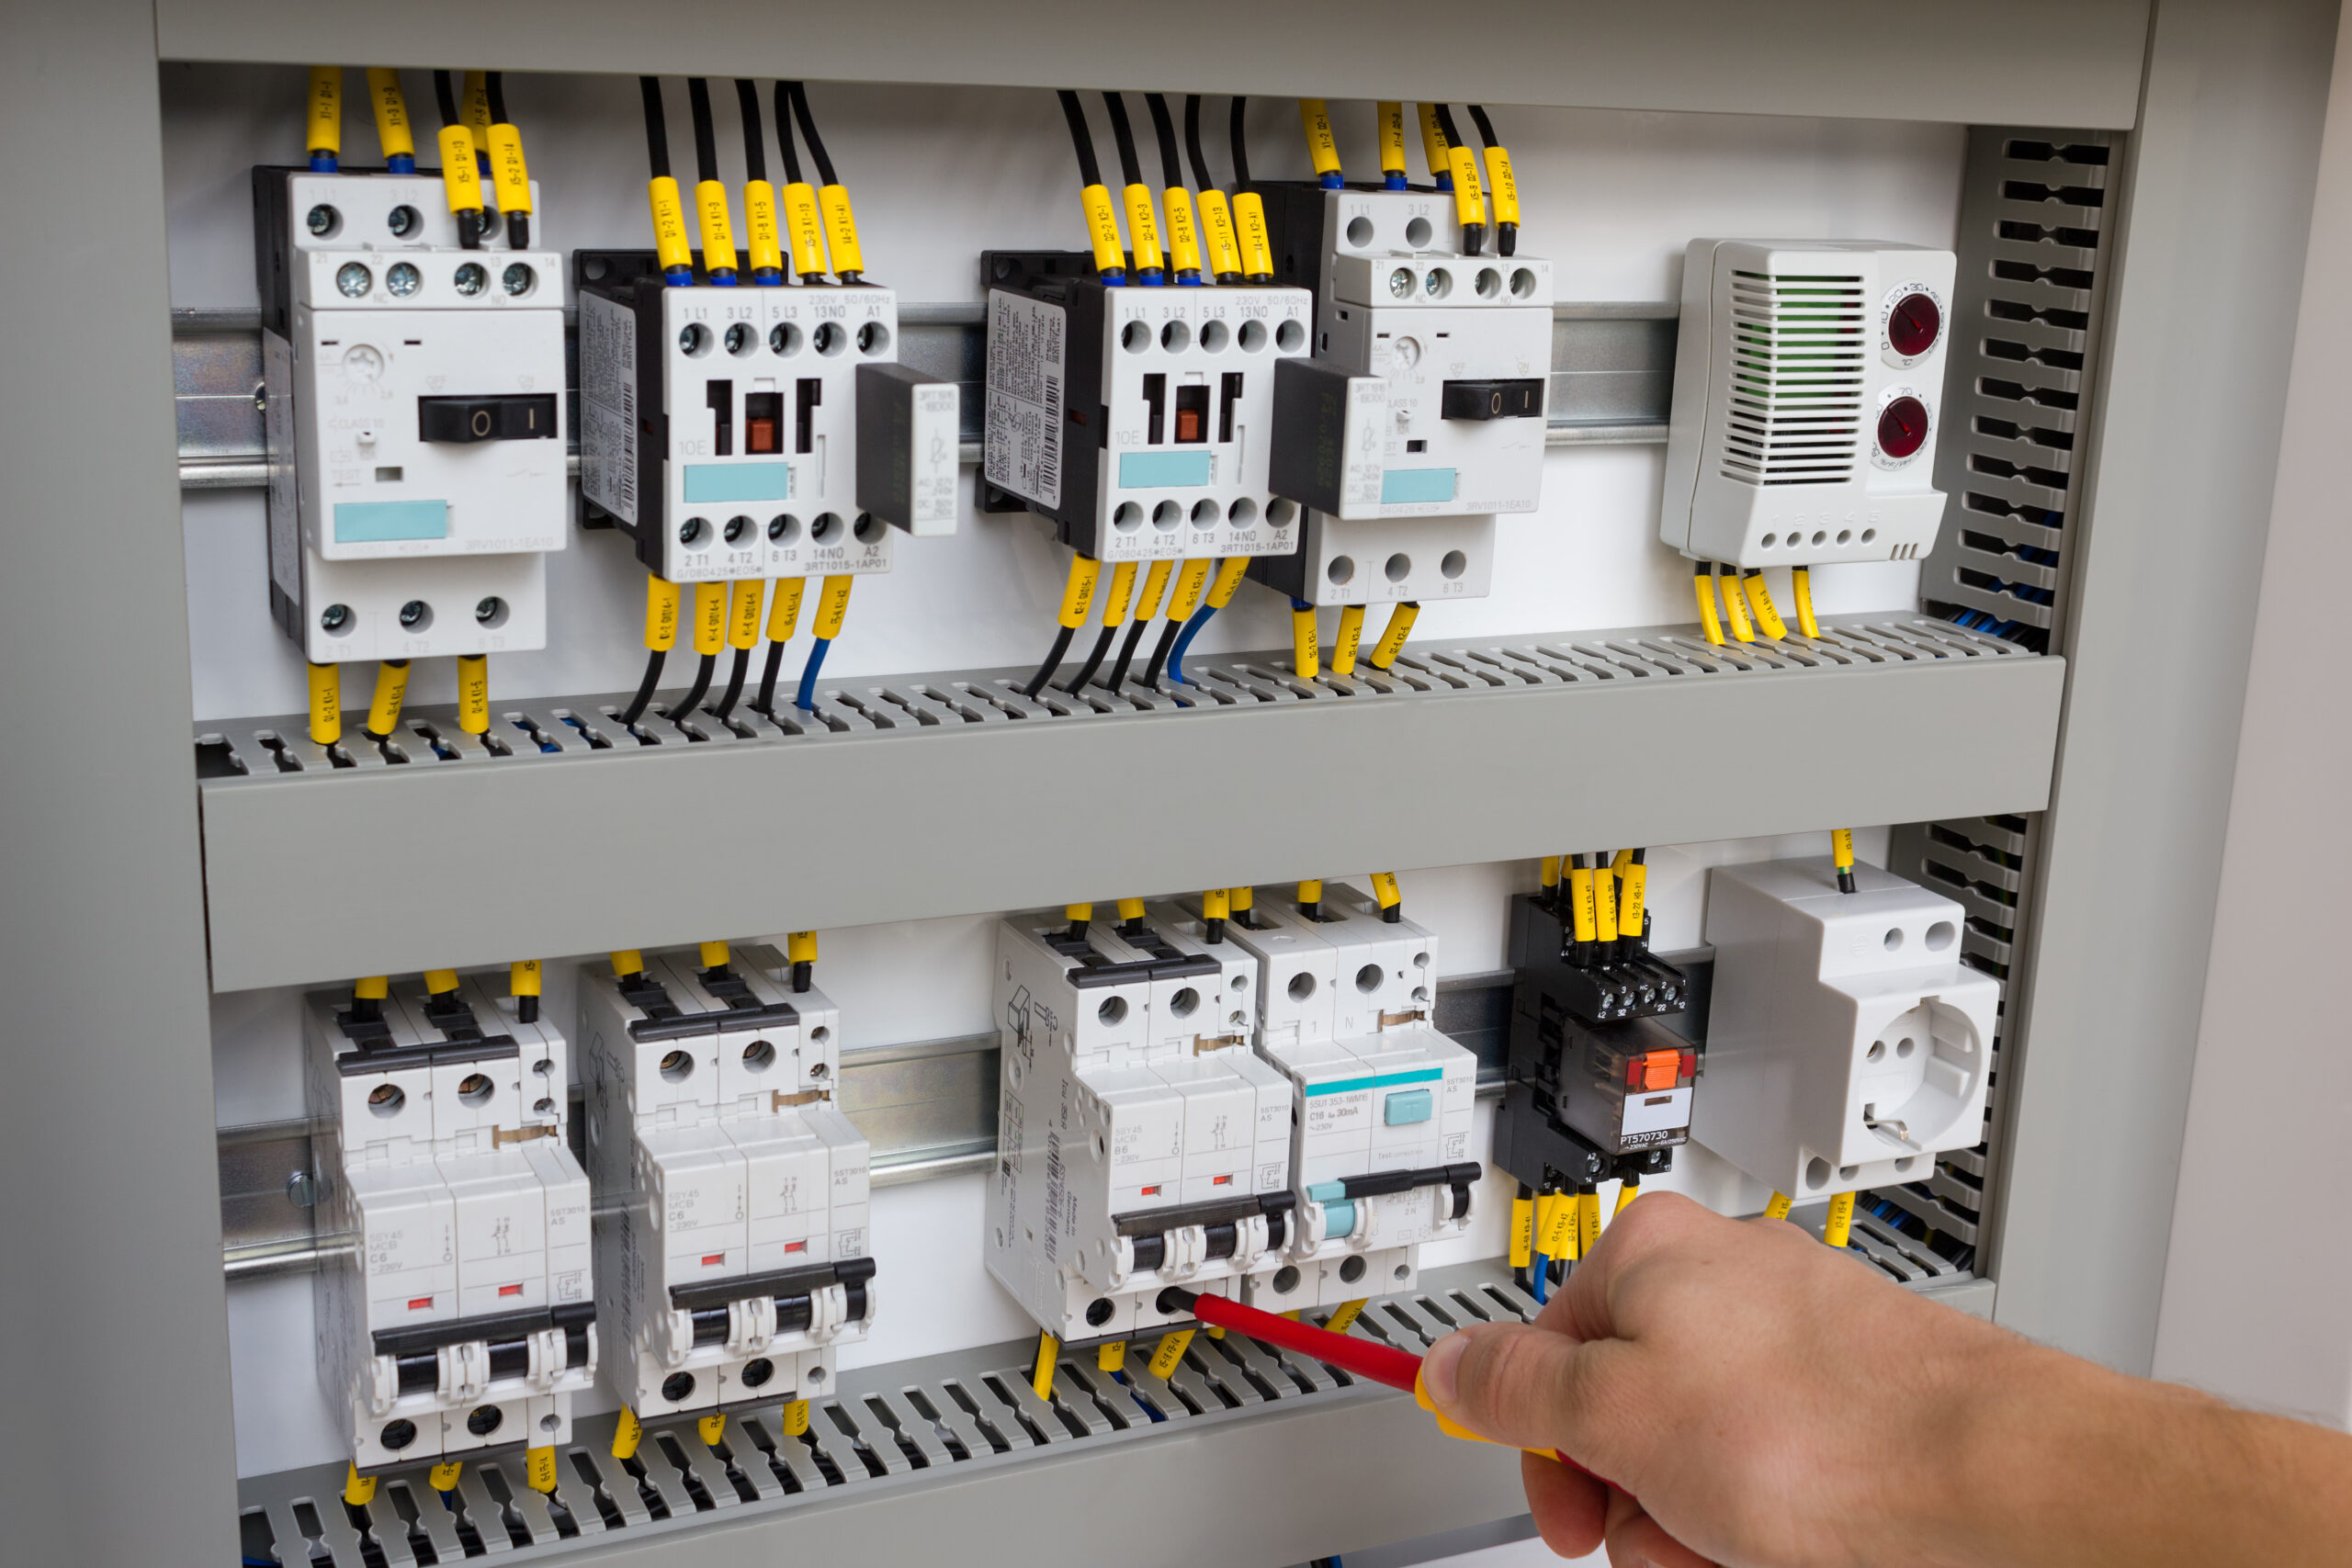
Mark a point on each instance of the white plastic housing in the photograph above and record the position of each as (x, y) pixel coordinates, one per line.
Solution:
(1847, 1045)
(1783, 373)
(1395, 559)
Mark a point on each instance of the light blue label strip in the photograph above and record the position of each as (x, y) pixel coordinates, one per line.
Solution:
(1382, 1081)
(1405, 486)
(377, 522)
(1166, 471)
(738, 482)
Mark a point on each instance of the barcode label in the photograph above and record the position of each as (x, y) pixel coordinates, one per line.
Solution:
(1023, 438)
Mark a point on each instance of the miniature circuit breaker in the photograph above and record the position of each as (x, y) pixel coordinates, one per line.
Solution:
(735, 1261)
(1847, 1043)
(1140, 1144)
(414, 420)
(1808, 382)
(1421, 415)
(1380, 1153)
(736, 433)
(1138, 419)
(463, 1319)
(1600, 1086)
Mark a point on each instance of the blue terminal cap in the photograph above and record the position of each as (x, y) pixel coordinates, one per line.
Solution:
(1115, 278)
(1395, 180)
(400, 163)
(1443, 181)
(1151, 277)
(678, 276)
(1188, 278)
(1333, 181)
(324, 162)
(768, 278)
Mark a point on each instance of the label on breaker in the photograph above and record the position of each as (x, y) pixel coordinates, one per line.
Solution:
(277, 424)
(1024, 439)
(608, 405)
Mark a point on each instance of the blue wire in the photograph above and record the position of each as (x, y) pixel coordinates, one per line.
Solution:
(806, 700)
(1542, 1279)
(1184, 639)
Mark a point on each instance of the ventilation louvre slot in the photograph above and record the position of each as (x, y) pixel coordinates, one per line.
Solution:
(1796, 352)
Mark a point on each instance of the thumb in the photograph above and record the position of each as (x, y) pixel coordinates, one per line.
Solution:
(1517, 1383)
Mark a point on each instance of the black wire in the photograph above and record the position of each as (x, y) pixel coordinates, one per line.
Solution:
(1128, 652)
(703, 671)
(1485, 127)
(1053, 662)
(446, 93)
(1090, 172)
(705, 134)
(767, 704)
(1192, 142)
(734, 684)
(1445, 123)
(657, 129)
(808, 134)
(1238, 134)
(785, 144)
(495, 84)
(1506, 234)
(1160, 653)
(1093, 661)
(756, 152)
(635, 709)
(1473, 234)
(1171, 166)
(1130, 167)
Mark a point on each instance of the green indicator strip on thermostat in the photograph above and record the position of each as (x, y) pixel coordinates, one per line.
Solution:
(738, 481)
(1381, 1080)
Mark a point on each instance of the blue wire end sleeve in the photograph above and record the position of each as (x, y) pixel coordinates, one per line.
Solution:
(806, 701)
(1184, 639)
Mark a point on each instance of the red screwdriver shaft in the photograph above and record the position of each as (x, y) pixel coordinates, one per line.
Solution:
(1381, 1363)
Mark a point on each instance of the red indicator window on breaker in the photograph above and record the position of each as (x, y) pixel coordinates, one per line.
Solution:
(1220, 1181)
(510, 1289)
(796, 1247)
(713, 1259)
(421, 1304)
(1151, 1191)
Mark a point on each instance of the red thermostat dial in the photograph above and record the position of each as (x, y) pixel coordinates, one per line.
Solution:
(1903, 427)
(1913, 323)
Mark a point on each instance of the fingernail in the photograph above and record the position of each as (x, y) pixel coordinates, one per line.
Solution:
(1439, 1366)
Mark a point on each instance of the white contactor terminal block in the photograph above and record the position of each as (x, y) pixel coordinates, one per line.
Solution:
(1381, 1101)
(1847, 1043)
(1140, 1144)
(1422, 415)
(1808, 385)
(751, 431)
(414, 421)
(735, 1259)
(1138, 419)
(463, 1319)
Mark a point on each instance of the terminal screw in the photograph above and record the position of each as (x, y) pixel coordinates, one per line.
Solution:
(334, 617)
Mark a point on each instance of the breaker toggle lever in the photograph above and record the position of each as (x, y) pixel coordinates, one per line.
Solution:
(514, 416)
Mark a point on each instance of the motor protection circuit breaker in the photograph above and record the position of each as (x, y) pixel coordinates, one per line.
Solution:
(734, 1261)
(1599, 1083)
(1140, 1143)
(1421, 415)
(463, 1319)
(1381, 1101)
(737, 433)
(1847, 1043)
(1138, 419)
(414, 420)
(1808, 384)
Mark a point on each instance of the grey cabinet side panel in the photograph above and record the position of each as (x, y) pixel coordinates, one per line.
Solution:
(2200, 327)
(111, 1300)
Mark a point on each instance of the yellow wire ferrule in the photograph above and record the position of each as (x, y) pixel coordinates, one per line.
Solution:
(1589, 1221)
(1505, 186)
(627, 1433)
(1392, 638)
(1184, 237)
(508, 174)
(1760, 600)
(440, 982)
(1469, 200)
(1620, 860)
(1555, 1224)
(841, 232)
(392, 131)
(1123, 593)
(1257, 251)
(1305, 651)
(800, 947)
(473, 693)
(1189, 583)
(1341, 1320)
(1078, 914)
(327, 109)
(1840, 1227)
(1216, 223)
(459, 178)
(473, 109)
(1392, 140)
(1170, 1353)
(1315, 117)
(1702, 582)
(1801, 585)
(784, 608)
(661, 615)
(1778, 1208)
(1604, 907)
(392, 690)
(372, 987)
(712, 953)
(1385, 890)
(670, 246)
(1111, 1356)
(832, 607)
(1229, 573)
(1633, 895)
(1243, 900)
(357, 1490)
(1131, 908)
(1041, 1377)
(712, 1430)
(1103, 230)
(718, 231)
(523, 977)
(805, 229)
(326, 703)
(1735, 609)
(1523, 1232)
(1344, 641)
(710, 617)
(1216, 904)
(1078, 593)
(628, 961)
(1310, 891)
(1627, 1191)
(1143, 229)
(1433, 143)
(743, 612)
(762, 235)
(794, 1418)
(1550, 872)
(1582, 917)
(1841, 848)
(1155, 583)
(538, 1469)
